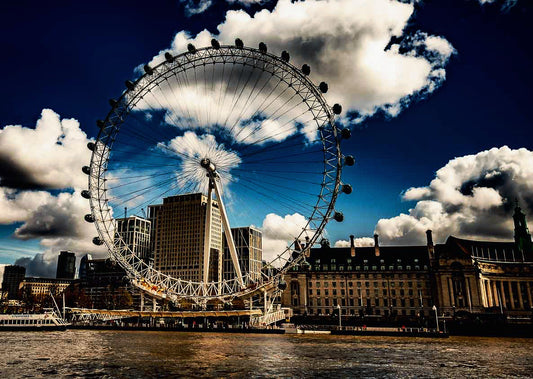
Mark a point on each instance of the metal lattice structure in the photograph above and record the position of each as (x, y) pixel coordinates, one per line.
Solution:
(296, 82)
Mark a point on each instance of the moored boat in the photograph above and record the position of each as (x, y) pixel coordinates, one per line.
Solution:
(49, 320)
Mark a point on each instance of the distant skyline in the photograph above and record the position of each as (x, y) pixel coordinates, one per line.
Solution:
(436, 95)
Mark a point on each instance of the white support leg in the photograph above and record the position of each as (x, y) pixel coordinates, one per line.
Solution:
(227, 233)
(207, 234)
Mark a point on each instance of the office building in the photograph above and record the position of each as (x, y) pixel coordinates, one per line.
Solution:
(12, 281)
(135, 233)
(178, 237)
(249, 246)
(66, 265)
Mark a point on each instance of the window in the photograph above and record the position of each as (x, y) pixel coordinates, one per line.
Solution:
(374, 268)
(326, 292)
(318, 292)
(367, 284)
(334, 292)
(334, 284)
(310, 292)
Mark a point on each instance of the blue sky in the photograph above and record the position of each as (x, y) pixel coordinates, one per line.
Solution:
(72, 58)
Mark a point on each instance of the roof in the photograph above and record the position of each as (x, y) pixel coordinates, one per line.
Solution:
(365, 256)
(487, 250)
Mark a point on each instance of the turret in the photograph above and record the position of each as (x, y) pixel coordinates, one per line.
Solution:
(522, 237)
(431, 247)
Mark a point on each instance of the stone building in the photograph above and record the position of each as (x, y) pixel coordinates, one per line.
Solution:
(458, 276)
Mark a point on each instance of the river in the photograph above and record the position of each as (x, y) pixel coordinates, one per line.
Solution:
(139, 354)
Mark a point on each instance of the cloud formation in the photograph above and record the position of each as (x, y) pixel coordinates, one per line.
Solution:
(358, 47)
(48, 156)
(359, 242)
(471, 196)
(279, 232)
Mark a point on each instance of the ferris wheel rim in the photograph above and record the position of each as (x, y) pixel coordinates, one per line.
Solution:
(137, 269)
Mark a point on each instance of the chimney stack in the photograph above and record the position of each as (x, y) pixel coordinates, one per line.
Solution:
(376, 245)
(431, 247)
(352, 246)
(307, 247)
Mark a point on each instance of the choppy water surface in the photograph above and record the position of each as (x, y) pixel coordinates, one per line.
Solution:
(80, 353)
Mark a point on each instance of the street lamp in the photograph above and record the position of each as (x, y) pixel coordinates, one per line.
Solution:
(340, 320)
(436, 317)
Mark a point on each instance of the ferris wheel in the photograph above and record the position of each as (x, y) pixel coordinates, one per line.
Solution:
(243, 127)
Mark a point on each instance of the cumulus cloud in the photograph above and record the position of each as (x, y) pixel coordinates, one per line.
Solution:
(49, 156)
(193, 7)
(471, 196)
(279, 232)
(358, 242)
(347, 44)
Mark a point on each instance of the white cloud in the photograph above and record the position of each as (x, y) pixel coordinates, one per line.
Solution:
(48, 156)
(279, 232)
(471, 196)
(195, 7)
(345, 43)
(358, 242)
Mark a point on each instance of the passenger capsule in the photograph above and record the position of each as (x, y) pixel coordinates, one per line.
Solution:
(338, 216)
(86, 170)
(149, 70)
(86, 194)
(346, 133)
(89, 218)
(323, 86)
(168, 57)
(337, 109)
(129, 85)
(285, 56)
(306, 69)
(91, 146)
(349, 160)
(191, 48)
(262, 47)
(282, 285)
(113, 102)
(97, 241)
(215, 43)
(239, 43)
(100, 123)
(347, 189)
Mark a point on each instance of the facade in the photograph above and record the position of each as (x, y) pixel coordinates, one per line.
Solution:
(178, 237)
(85, 265)
(459, 277)
(41, 287)
(135, 232)
(66, 265)
(12, 281)
(249, 246)
(371, 281)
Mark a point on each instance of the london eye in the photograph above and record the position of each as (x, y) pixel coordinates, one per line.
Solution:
(245, 128)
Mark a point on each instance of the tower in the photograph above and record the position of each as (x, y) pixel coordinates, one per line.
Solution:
(66, 265)
(522, 237)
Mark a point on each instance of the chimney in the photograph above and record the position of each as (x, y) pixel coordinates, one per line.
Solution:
(431, 247)
(297, 245)
(307, 247)
(352, 246)
(376, 245)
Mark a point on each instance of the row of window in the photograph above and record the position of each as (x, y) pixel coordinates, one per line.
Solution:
(385, 292)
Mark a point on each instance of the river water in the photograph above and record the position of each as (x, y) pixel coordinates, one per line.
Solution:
(87, 353)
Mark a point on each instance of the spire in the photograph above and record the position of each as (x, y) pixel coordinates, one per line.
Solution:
(521, 233)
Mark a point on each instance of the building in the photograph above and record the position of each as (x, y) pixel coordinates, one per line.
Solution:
(42, 287)
(12, 281)
(66, 265)
(370, 281)
(459, 276)
(85, 265)
(178, 237)
(135, 232)
(249, 245)
(106, 286)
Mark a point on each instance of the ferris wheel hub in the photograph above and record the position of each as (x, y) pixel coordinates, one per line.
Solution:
(208, 165)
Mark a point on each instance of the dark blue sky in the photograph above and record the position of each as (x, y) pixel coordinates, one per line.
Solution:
(73, 56)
